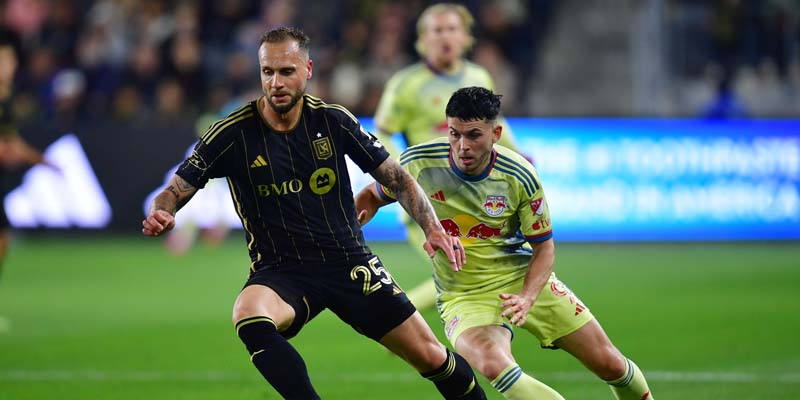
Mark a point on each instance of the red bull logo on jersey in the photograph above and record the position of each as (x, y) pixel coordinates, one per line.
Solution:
(451, 227)
(494, 205)
(483, 231)
(465, 227)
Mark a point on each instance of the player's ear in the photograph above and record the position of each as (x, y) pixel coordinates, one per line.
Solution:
(497, 131)
(310, 67)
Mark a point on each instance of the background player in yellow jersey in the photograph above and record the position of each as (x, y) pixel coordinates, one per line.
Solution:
(491, 199)
(413, 101)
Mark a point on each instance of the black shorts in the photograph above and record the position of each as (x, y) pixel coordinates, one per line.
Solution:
(361, 293)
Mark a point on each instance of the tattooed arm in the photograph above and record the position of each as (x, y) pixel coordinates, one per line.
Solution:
(411, 196)
(166, 204)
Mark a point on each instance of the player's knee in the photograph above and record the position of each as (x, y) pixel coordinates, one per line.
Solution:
(612, 365)
(489, 361)
(242, 311)
(431, 355)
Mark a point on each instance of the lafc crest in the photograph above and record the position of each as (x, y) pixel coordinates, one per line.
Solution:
(322, 148)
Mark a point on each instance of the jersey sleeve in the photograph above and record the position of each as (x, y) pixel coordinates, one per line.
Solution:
(362, 147)
(385, 193)
(534, 214)
(211, 158)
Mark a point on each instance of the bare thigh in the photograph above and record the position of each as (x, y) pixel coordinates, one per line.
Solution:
(414, 341)
(259, 300)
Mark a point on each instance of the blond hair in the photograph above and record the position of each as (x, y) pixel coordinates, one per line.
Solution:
(467, 20)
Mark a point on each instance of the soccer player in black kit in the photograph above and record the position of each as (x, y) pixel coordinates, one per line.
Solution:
(283, 157)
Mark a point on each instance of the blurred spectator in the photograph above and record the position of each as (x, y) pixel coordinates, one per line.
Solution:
(184, 64)
(121, 46)
(144, 70)
(128, 105)
(68, 94)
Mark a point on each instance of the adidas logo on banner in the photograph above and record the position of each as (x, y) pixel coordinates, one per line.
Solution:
(69, 197)
(438, 196)
(258, 162)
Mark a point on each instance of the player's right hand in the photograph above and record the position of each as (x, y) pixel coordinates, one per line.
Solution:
(450, 245)
(158, 222)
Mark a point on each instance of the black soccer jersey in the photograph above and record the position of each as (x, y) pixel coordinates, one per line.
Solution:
(290, 189)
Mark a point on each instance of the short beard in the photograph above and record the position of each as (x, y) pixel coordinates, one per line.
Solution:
(283, 109)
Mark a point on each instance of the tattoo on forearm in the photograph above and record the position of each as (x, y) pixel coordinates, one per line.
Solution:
(175, 196)
(172, 190)
(184, 186)
(165, 202)
(409, 194)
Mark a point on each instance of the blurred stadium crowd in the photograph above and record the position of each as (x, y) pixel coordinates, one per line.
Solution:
(132, 61)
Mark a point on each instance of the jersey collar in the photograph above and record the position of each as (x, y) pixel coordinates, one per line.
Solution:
(473, 178)
(442, 74)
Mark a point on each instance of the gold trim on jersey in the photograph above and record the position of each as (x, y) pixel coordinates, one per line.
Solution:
(217, 123)
(239, 115)
(245, 224)
(316, 103)
(321, 201)
(341, 205)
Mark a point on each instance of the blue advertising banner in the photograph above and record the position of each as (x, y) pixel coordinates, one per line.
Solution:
(658, 179)
(605, 179)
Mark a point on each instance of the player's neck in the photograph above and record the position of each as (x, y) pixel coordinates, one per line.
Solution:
(442, 67)
(280, 121)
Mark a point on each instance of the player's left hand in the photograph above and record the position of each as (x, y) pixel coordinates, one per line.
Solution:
(158, 222)
(515, 307)
(450, 245)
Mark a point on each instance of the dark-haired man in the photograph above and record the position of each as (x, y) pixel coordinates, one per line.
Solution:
(412, 104)
(491, 199)
(283, 157)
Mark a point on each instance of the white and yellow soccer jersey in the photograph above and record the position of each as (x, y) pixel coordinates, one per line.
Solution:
(495, 214)
(414, 101)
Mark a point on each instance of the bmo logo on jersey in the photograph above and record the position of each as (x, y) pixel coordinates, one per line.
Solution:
(280, 189)
(320, 182)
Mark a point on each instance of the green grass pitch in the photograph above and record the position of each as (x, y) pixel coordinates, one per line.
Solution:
(103, 318)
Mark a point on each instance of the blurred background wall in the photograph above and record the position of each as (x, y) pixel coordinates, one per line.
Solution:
(134, 81)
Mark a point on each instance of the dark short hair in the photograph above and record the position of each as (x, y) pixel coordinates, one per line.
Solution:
(279, 35)
(473, 103)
